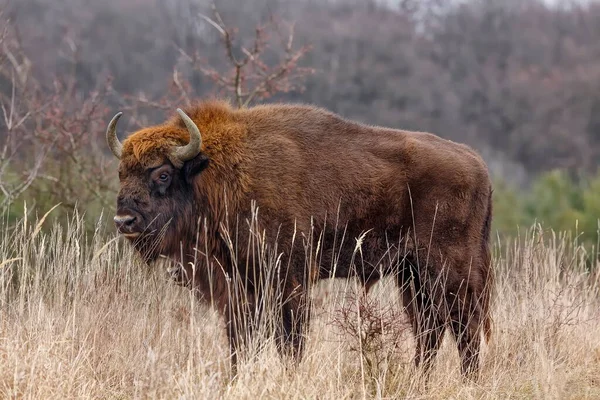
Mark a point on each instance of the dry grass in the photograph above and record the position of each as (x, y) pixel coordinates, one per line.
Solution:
(84, 319)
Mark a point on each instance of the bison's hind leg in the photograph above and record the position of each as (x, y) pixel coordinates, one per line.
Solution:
(466, 321)
(428, 326)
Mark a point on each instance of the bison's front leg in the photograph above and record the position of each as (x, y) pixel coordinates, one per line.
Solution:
(294, 323)
(241, 320)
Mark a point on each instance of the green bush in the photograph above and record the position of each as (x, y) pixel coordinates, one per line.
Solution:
(554, 200)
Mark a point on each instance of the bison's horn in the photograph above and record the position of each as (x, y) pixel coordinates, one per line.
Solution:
(190, 150)
(111, 136)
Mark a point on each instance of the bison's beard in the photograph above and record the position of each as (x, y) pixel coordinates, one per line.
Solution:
(149, 245)
(163, 237)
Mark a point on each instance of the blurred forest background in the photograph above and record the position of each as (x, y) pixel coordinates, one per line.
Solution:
(519, 80)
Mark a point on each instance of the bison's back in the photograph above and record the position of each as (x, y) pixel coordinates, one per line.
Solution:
(306, 161)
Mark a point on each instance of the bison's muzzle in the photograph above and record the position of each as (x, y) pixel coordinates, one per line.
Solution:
(127, 225)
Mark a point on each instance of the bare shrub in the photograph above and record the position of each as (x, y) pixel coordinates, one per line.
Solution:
(375, 330)
(73, 125)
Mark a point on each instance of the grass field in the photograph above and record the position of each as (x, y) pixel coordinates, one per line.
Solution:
(82, 318)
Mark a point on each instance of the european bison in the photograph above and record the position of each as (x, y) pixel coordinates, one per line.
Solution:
(421, 206)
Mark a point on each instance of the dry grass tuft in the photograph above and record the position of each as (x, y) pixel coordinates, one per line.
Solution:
(82, 318)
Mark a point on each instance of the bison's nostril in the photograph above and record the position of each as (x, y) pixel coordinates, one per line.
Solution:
(124, 220)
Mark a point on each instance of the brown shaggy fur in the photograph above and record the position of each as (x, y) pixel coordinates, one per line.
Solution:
(421, 203)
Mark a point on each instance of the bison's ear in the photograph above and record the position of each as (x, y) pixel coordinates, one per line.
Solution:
(194, 167)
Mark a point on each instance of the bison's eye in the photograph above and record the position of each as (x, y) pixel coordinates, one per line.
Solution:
(161, 178)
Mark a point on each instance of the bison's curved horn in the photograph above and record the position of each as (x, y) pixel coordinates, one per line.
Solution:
(111, 136)
(190, 150)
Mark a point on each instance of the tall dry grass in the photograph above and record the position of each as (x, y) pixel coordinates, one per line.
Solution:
(81, 317)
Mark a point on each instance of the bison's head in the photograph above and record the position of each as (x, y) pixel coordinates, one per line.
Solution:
(156, 170)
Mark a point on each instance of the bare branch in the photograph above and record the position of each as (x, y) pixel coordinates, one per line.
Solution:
(213, 23)
(250, 77)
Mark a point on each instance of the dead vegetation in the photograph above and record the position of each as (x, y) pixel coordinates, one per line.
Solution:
(81, 317)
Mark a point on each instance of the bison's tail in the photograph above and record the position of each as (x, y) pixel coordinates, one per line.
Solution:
(488, 272)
